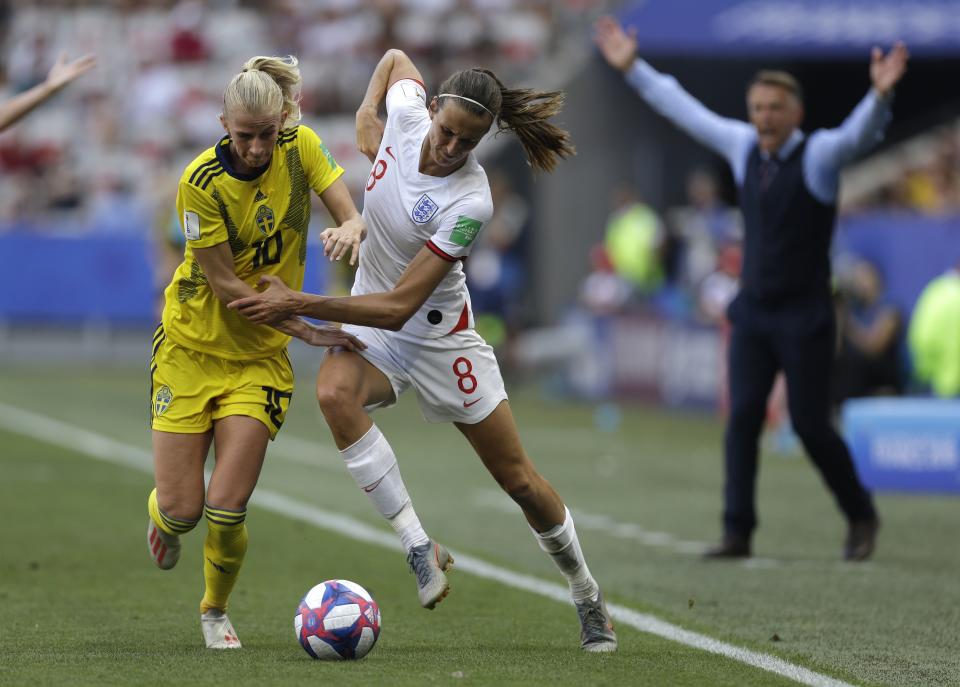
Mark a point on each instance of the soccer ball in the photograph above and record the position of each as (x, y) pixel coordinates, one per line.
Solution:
(337, 619)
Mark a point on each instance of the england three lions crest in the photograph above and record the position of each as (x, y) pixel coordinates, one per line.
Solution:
(424, 210)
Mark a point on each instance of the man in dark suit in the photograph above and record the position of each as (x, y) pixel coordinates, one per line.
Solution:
(783, 316)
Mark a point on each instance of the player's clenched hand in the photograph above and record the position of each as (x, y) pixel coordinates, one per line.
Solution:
(338, 241)
(619, 47)
(329, 335)
(274, 304)
(369, 132)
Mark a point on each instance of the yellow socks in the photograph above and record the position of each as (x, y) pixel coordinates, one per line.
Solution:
(223, 553)
(172, 526)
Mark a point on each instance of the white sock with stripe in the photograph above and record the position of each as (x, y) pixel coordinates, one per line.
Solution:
(563, 547)
(373, 466)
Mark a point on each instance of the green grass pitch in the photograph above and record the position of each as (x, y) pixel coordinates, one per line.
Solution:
(82, 604)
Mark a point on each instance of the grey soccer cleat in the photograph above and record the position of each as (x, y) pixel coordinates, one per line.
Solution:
(596, 629)
(428, 562)
(164, 548)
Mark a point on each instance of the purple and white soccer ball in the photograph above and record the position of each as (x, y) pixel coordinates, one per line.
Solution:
(336, 620)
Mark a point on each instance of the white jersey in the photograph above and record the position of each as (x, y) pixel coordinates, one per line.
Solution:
(405, 210)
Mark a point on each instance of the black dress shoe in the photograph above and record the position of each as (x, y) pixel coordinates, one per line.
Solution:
(732, 546)
(861, 540)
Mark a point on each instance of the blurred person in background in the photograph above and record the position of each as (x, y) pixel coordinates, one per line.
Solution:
(783, 316)
(496, 275)
(634, 239)
(933, 188)
(61, 74)
(934, 335)
(869, 331)
(427, 199)
(701, 229)
(244, 206)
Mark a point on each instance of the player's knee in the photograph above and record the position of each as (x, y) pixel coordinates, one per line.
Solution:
(226, 500)
(335, 398)
(520, 485)
(180, 506)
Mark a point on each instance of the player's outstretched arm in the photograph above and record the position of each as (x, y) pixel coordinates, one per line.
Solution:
(385, 310)
(218, 267)
(393, 66)
(887, 70)
(61, 74)
(324, 335)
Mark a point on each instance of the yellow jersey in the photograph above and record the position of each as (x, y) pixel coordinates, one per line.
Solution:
(263, 216)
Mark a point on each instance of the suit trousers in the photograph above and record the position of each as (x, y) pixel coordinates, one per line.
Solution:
(798, 337)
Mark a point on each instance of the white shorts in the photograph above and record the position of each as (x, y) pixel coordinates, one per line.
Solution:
(456, 377)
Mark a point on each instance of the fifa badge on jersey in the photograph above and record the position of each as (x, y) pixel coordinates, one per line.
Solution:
(191, 225)
(465, 230)
(161, 401)
(424, 210)
(327, 154)
(264, 219)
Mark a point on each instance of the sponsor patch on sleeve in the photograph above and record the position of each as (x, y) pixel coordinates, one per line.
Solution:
(327, 154)
(191, 225)
(465, 230)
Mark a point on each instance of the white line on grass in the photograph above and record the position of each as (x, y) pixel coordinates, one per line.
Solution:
(499, 501)
(604, 525)
(100, 447)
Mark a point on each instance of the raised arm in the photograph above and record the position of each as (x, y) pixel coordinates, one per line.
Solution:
(61, 74)
(393, 66)
(830, 149)
(727, 137)
(386, 310)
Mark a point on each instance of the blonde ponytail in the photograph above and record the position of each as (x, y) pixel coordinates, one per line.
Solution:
(266, 86)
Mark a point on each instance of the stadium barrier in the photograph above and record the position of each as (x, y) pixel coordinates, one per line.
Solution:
(76, 281)
(905, 444)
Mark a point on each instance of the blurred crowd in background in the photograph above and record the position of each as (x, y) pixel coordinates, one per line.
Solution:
(105, 156)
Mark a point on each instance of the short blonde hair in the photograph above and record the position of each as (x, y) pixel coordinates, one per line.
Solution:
(266, 85)
(774, 77)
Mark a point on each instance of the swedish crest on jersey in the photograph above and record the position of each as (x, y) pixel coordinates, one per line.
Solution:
(424, 210)
(264, 219)
(162, 400)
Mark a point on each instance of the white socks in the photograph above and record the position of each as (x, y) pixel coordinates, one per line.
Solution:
(374, 468)
(562, 545)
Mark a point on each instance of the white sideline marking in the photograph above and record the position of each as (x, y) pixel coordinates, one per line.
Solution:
(606, 526)
(309, 453)
(100, 447)
(498, 500)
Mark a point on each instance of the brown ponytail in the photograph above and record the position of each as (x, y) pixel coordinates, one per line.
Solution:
(521, 110)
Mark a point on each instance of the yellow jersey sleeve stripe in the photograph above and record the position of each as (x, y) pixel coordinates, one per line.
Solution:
(202, 168)
(288, 135)
(205, 178)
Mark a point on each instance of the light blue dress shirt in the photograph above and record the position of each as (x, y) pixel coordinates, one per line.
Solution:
(827, 151)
